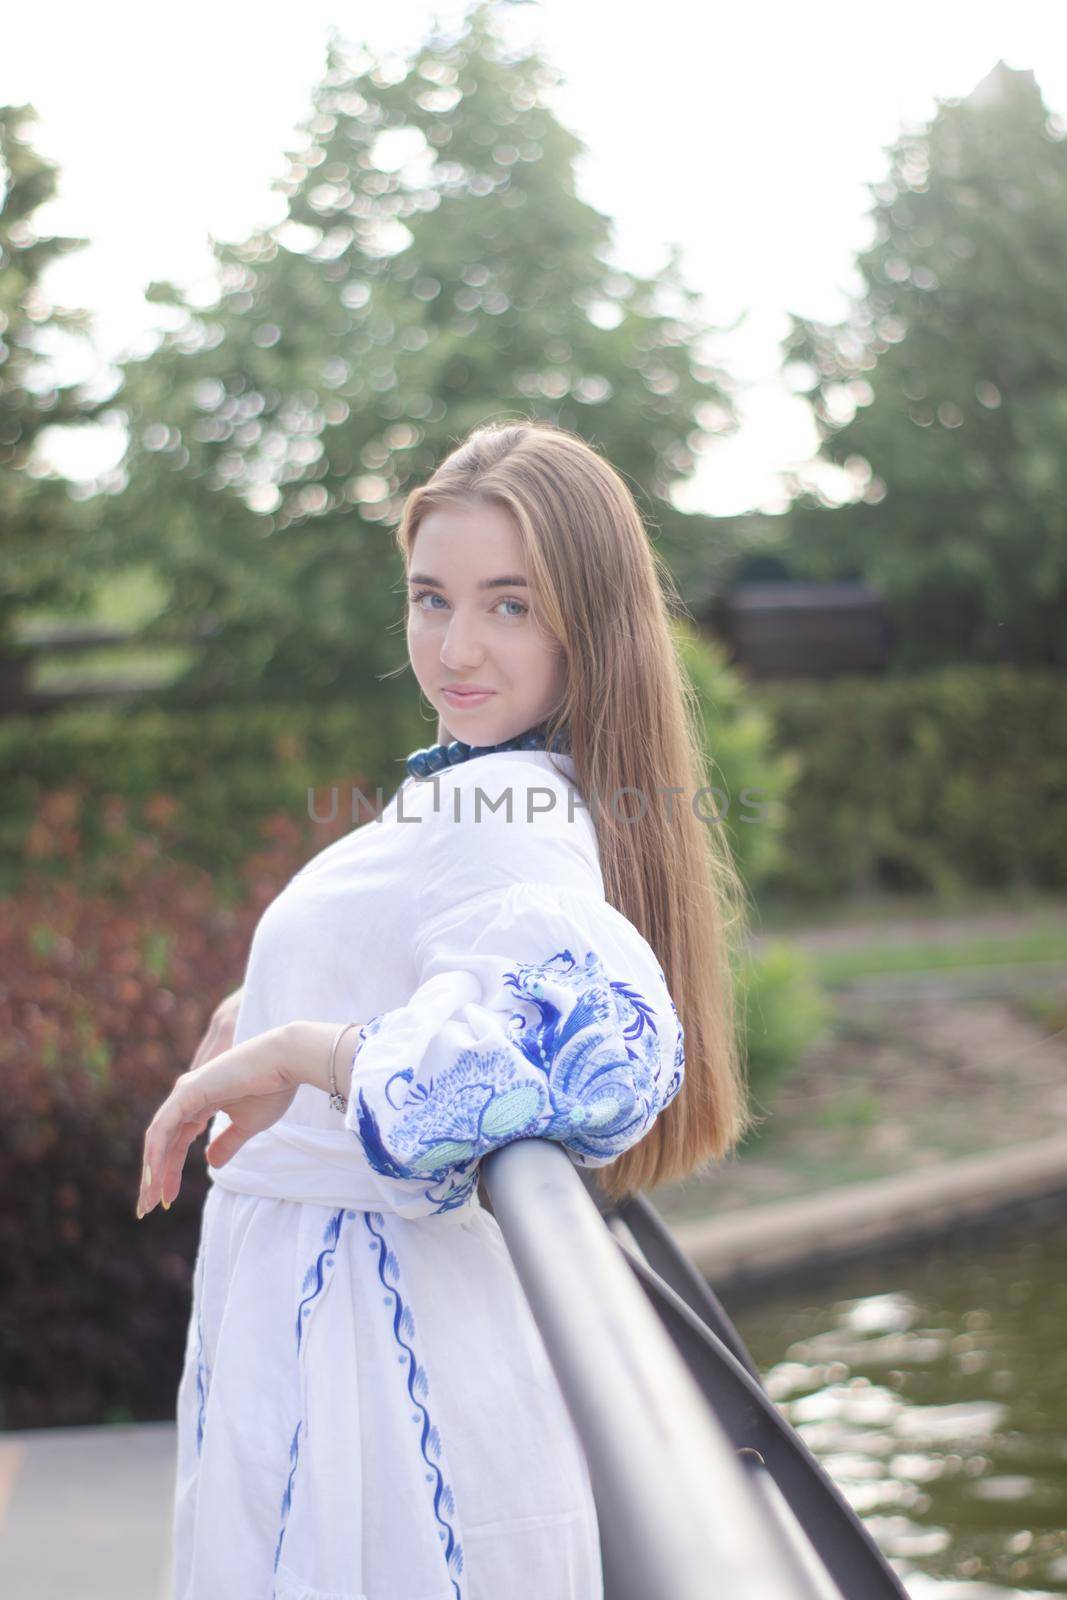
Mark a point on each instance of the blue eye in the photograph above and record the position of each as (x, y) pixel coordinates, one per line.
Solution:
(508, 600)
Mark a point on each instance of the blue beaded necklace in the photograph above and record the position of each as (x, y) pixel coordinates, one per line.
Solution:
(424, 763)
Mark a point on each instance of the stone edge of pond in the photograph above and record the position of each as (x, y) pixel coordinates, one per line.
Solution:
(761, 1246)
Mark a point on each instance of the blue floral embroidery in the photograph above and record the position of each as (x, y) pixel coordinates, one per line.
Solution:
(315, 1276)
(418, 1390)
(678, 1072)
(312, 1286)
(594, 1082)
(287, 1497)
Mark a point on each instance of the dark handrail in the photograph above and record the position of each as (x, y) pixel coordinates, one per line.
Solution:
(680, 1517)
(755, 1425)
(672, 1264)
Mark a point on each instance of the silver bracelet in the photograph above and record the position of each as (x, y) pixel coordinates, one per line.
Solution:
(337, 1100)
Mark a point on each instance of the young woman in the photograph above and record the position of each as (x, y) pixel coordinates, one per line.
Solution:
(366, 1409)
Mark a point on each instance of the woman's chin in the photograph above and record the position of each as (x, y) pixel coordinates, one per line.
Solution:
(478, 733)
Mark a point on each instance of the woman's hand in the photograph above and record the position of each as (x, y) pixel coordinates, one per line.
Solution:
(248, 1082)
(254, 1083)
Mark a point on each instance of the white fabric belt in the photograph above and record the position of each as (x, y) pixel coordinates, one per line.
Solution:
(317, 1166)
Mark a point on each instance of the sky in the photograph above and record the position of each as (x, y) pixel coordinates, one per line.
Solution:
(747, 135)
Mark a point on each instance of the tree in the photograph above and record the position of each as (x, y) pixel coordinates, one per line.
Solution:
(43, 527)
(943, 394)
(435, 269)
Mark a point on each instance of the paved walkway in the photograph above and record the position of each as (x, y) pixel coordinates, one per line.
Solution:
(85, 1513)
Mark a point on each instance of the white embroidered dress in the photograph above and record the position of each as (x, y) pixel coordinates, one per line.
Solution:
(366, 1408)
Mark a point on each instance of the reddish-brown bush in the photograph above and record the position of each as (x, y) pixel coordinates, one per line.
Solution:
(110, 973)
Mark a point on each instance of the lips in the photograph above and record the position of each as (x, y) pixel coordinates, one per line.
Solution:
(461, 692)
(472, 701)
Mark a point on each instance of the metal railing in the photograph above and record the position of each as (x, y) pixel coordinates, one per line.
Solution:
(702, 1489)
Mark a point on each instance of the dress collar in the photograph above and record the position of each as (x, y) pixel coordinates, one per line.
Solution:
(424, 763)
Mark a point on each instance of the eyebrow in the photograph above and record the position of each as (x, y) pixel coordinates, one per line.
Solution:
(486, 583)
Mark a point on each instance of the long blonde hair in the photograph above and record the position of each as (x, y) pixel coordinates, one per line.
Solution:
(632, 719)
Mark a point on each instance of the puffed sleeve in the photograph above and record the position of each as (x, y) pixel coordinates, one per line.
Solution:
(540, 1010)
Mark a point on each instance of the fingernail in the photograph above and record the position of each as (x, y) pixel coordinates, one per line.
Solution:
(147, 1175)
(166, 1204)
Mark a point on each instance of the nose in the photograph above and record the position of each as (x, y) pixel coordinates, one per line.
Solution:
(461, 648)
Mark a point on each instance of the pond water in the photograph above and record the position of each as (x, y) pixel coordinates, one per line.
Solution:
(934, 1392)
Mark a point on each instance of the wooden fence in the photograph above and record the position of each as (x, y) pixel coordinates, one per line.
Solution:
(772, 630)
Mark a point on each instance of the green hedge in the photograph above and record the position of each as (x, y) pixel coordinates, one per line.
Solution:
(935, 781)
(932, 782)
(203, 782)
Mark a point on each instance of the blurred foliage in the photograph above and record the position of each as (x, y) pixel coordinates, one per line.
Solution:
(223, 770)
(111, 973)
(435, 270)
(752, 778)
(934, 781)
(205, 781)
(944, 391)
(44, 531)
(781, 1010)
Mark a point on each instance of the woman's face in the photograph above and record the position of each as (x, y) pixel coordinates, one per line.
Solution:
(470, 622)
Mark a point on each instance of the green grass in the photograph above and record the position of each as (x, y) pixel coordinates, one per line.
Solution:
(851, 1111)
(876, 955)
(784, 917)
